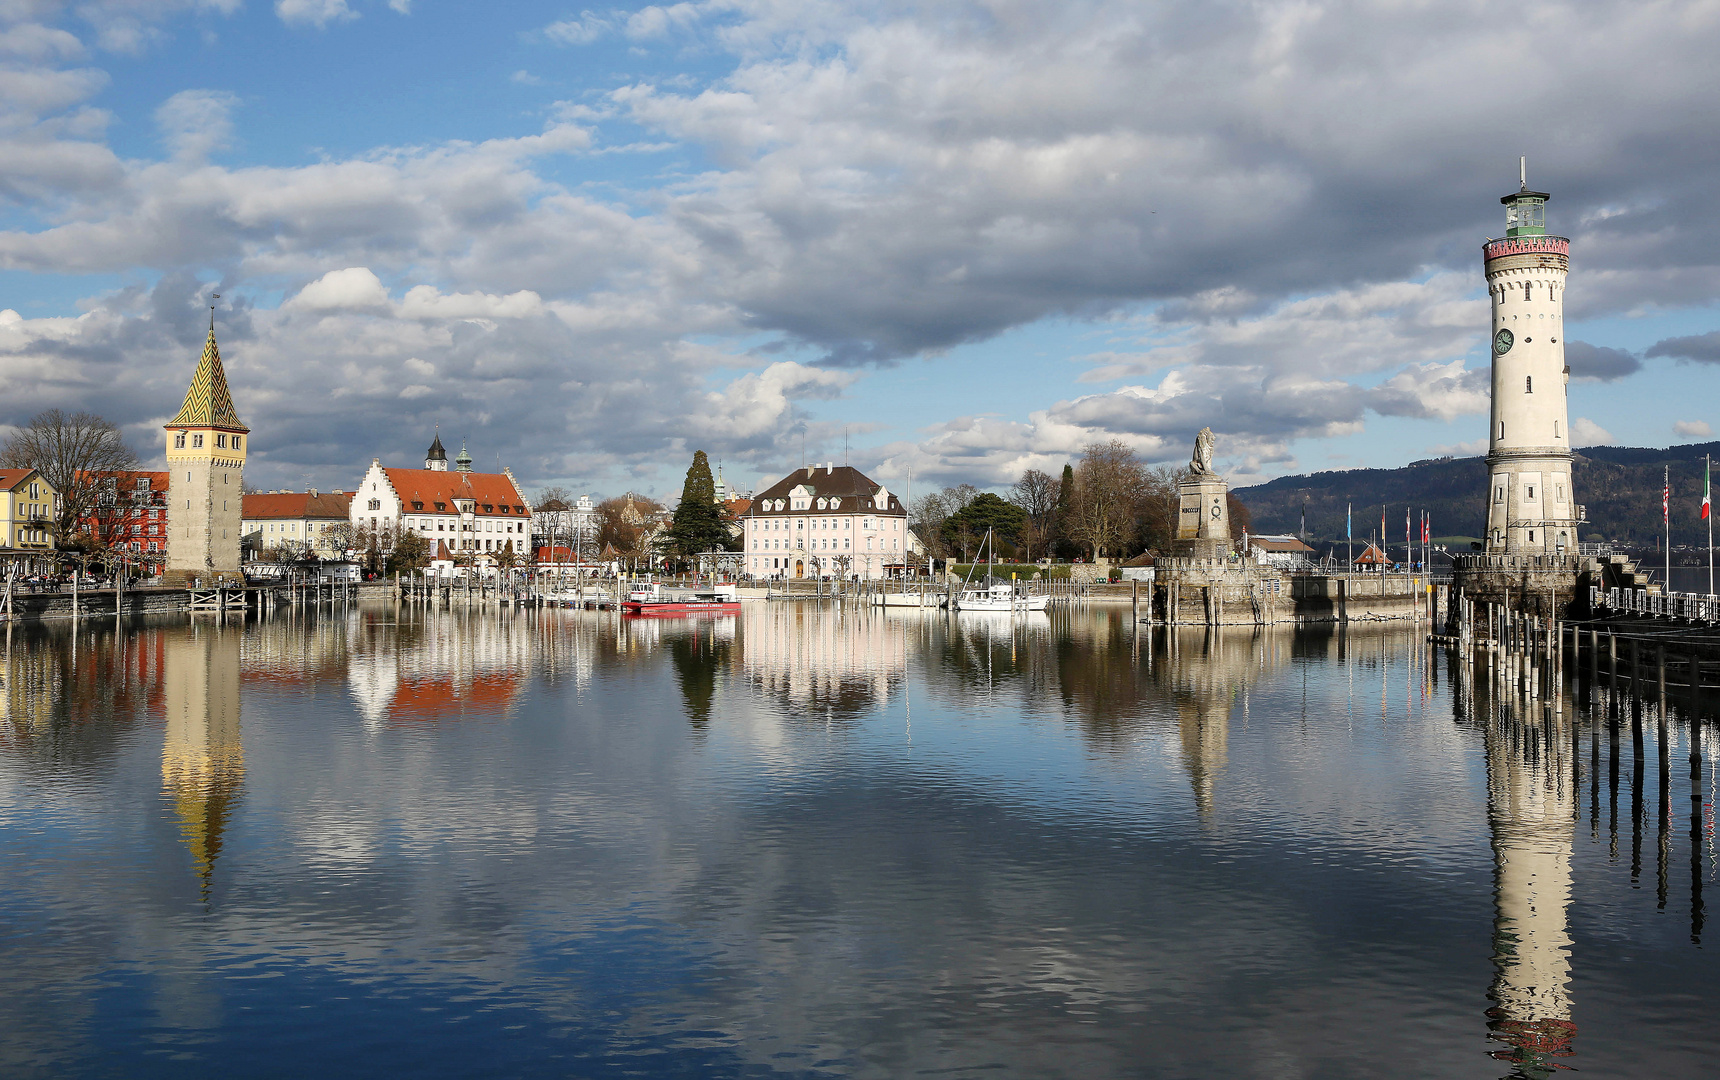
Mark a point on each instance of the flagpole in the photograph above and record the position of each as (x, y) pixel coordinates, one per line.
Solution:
(1708, 512)
(1666, 515)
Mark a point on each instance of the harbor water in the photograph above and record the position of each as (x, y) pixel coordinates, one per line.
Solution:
(805, 840)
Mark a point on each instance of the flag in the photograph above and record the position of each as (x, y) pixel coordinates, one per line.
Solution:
(1666, 503)
(1706, 504)
(1348, 532)
(1426, 528)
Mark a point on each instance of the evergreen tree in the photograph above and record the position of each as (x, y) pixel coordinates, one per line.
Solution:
(1063, 546)
(700, 523)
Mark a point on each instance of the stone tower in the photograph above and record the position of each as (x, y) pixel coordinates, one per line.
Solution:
(436, 460)
(1530, 505)
(206, 467)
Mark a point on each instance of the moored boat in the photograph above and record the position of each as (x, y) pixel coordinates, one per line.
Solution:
(651, 598)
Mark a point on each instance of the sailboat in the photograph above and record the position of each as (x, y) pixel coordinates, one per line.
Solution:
(996, 596)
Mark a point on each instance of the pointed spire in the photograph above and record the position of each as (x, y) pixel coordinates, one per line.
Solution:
(464, 461)
(208, 403)
(437, 453)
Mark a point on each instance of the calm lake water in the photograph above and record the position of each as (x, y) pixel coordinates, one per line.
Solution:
(807, 842)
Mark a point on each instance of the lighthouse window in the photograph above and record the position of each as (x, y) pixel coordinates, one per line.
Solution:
(1528, 384)
(1531, 491)
(1501, 429)
(1555, 429)
(1526, 291)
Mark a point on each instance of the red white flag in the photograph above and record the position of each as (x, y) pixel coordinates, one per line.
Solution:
(1666, 503)
(1706, 505)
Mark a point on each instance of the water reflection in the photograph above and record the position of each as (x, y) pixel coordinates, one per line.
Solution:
(202, 755)
(1095, 845)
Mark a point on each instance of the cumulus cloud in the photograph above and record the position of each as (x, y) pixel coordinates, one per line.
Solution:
(352, 289)
(1585, 432)
(1598, 363)
(1692, 429)
(317, 13)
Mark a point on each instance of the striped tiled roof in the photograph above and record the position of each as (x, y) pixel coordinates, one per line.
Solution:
(208, 403)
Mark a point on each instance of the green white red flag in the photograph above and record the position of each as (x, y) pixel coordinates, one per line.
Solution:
(1706, 503)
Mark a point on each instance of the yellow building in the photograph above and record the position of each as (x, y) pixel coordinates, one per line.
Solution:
(27, 506)
(206, 467)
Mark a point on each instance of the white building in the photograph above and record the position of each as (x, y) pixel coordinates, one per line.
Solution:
(1531, 507)
(475, 514)
(825, 521)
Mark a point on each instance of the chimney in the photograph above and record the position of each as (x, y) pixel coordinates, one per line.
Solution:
(810, 469)
(313, 492)
(829, 467)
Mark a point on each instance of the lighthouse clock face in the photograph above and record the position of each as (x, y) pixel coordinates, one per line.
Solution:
(1502, 342)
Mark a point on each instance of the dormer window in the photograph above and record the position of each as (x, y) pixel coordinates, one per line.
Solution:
(417, 506)
(488, 509)
(441, 507)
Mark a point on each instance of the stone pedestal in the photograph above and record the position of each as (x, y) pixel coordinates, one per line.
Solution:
(1203, 520)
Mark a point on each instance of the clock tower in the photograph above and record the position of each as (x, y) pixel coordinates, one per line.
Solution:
(1531, 509)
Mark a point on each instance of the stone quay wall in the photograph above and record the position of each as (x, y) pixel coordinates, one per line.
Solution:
(1236, 592)
(1539, 585)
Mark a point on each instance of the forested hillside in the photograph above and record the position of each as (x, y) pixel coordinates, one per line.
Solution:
(1620, 485)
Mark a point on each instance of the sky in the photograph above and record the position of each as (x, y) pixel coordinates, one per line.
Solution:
(941, 241)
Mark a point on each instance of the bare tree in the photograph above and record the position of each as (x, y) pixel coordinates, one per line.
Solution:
(1159, 508)
(1036, 493)
(72, 453)
(1109, 484)
(929, 512)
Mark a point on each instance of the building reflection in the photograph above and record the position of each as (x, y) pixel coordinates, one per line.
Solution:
(821, 662)
(202, 757)
(427, 664)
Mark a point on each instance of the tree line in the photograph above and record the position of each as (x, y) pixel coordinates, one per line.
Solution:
(1109, 503)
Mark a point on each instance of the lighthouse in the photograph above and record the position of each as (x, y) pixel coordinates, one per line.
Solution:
(1531, 508)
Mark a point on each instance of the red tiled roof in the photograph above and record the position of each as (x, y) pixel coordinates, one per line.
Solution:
(429, 487)
(737, 507)
(126, 480)
(11, 478)
(442, 552)
(297, 505)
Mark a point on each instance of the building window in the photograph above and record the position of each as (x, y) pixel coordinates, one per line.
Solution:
(221, 441)
(1531, 491)
(179, 441)
(235, 442)
(197, 441)
(1501, 429)
(376, 504)
(1555, 429)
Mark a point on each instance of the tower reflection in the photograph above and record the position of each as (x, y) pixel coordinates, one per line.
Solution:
(202, 758)
(1531, 808)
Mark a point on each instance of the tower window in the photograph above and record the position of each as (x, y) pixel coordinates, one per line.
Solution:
(221, 441)
(1531, 491)
(197, 440)
(1527, 294)
(235, 442)
(1555, 429)
(1501, 429)
(179, 441)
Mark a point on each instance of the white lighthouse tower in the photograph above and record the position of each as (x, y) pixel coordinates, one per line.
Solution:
(1530, 504)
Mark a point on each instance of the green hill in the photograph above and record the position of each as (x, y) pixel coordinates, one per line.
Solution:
(1620, 486)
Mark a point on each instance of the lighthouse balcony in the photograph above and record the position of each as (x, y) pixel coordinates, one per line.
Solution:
(1527, 245)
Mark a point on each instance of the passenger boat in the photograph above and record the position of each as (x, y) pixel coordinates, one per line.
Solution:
(651, 598)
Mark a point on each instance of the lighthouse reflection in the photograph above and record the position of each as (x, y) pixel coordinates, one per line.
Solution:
(202, 757)
(1531, 810)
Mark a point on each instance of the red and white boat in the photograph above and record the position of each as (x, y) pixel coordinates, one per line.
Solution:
(651, 598)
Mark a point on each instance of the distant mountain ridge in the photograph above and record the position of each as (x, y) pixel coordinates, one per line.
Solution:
(1620, 486)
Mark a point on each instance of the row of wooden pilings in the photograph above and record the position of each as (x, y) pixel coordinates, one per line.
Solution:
(1530, 652)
